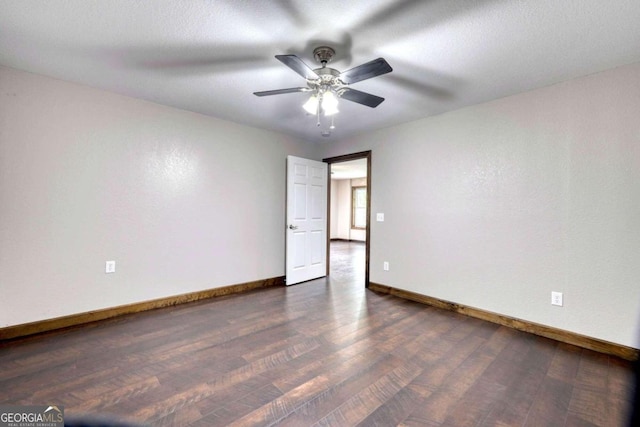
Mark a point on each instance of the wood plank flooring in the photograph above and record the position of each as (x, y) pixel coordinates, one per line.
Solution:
(322, 353)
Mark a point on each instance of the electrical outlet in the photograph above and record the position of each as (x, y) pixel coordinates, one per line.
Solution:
(380, 217)
(556, 298)
(385, 266)
(110, 267)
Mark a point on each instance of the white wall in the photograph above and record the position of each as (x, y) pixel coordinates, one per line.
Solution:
(182, 202)
(335, 217)
(496, 205)
(342, 200)
(341, 210)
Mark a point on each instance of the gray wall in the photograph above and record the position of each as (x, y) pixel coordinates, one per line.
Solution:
(493, 206)
(496, 205)
(182, 202)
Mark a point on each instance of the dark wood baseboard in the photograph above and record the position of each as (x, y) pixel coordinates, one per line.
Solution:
(601, 346)
(32, 328)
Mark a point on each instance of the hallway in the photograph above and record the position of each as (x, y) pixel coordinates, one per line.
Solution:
(347, 262)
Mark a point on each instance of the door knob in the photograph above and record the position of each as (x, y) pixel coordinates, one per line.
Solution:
(293, 227)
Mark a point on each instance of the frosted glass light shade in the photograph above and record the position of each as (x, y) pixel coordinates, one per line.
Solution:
(329, 104)
(311, 106)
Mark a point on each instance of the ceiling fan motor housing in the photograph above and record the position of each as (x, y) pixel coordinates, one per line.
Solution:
(328, 78)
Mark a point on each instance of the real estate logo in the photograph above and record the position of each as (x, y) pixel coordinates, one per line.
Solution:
(31, 416)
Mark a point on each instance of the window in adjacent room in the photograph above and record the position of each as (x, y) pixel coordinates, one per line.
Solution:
(359, 207)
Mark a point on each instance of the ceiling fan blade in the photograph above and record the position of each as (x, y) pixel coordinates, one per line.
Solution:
(297, 65)
(281, 91)
(374, 68)
(361, 97)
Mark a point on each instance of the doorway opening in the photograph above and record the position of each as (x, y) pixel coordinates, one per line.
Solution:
(349, 212)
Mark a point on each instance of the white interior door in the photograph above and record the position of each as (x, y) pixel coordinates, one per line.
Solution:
(306, 220)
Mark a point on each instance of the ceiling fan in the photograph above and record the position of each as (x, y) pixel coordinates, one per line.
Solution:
(328, 84)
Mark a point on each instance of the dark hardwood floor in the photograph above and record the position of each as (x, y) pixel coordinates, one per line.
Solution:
(327, 352)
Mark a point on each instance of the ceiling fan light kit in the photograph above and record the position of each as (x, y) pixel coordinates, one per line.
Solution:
(327, 84)
(325, 100)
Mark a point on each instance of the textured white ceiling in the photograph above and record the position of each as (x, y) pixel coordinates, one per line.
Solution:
(349, 170)
(210, 56)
